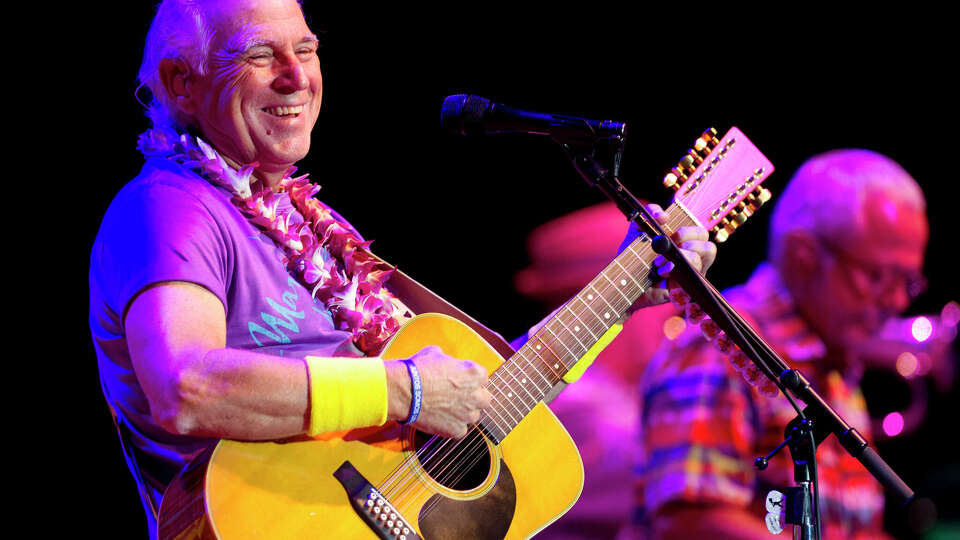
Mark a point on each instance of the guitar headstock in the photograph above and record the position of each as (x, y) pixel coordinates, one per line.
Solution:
(718, 181)
(718, 184)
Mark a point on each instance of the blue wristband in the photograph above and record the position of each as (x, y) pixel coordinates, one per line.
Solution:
(416, 391)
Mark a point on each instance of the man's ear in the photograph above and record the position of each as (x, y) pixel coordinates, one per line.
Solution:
(800, 257)
(175, 75)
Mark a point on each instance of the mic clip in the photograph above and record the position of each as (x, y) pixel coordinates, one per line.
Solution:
(597, 160)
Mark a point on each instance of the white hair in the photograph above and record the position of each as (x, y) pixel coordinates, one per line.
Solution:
(826, 195)
(181, 30)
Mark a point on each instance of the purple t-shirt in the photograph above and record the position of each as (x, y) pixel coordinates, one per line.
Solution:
(170, 224)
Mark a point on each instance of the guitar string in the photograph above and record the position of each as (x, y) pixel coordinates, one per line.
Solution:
(475, 450)
(579, 316)
(446, 474)
(499, 373)
(692, 202)
(483, 454)
(626, 272)
(475, 460)
(479, 448)
(480, 445)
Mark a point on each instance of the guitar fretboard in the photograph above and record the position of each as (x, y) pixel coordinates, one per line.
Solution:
(529, 375)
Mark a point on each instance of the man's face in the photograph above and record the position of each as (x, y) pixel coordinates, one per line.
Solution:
(871, 274)
(261, 96)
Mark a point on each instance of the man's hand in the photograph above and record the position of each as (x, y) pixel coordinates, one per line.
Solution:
(453, 392)
(694, 244)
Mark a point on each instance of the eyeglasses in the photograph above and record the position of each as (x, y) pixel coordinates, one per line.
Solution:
(875, 279)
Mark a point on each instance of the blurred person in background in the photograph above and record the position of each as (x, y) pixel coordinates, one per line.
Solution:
(845, 256)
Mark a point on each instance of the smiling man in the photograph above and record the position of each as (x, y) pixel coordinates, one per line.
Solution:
(227, 302)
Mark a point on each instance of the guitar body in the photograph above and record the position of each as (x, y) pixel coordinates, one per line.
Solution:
(287, 489)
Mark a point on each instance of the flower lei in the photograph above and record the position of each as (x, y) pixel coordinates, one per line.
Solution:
(321, 252)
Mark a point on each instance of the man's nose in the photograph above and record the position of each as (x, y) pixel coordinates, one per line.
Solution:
(896, 297)
(292, 76)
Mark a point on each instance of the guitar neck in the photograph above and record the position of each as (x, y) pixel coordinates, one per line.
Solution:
(717, 186)
(526, 378)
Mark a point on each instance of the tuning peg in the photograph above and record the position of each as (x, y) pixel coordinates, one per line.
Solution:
(758, 197)
(707, 142)
(723, 229)
(702, 143)
(674, 178)
(709, 136)
(671, 181)
(687, 164)
(754, 200)
(697, 158)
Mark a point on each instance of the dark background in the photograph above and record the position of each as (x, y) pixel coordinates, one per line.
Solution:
(454, 212)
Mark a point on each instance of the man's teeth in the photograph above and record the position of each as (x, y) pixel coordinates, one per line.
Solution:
(283, 111)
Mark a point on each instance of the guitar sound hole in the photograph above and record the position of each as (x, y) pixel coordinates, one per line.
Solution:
(461, 464)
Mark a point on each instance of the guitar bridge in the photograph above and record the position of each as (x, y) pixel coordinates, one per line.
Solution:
(375, 510)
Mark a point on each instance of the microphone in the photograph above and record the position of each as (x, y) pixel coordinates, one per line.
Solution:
(464, 114)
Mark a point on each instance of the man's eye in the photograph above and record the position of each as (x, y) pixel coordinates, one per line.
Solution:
(259, 55)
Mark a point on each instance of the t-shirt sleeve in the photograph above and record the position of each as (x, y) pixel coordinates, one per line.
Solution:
(698, 427)
(155, 233)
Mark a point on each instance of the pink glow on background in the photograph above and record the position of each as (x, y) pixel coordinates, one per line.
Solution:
(924, 364)
(907, 364)
(893, 424)
(950, 314)
(921, 329)
(673, 327)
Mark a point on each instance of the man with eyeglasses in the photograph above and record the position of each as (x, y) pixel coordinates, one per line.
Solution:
(846, 249)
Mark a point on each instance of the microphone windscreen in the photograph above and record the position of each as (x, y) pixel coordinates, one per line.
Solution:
(461, 111)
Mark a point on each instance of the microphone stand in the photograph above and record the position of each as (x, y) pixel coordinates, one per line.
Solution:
(598, 162)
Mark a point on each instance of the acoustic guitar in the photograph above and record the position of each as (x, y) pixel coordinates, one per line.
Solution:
(515, 472)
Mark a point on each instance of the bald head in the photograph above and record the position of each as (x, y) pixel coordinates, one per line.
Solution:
(846, 195)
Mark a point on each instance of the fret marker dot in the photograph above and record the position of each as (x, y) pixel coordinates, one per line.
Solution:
(589, 297)
(556, 366)
(538, 347)
(606, 315)
(509, 394)
(523, 381)
(576, 328)
(623, 282)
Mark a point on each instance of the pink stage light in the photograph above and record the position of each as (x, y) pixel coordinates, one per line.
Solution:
(907, 364)
(893, 424)
(951, 314)
(673, 327)
(921, 329)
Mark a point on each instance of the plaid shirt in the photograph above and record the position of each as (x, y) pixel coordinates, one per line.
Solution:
(702, 424)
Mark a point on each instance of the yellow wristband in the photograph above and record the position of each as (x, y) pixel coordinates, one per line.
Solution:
(346, 393)
(577, 370)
